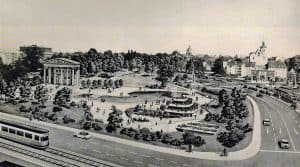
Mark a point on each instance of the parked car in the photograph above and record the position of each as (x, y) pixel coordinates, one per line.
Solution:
(284, 144)
(82, 135)
(266, 122)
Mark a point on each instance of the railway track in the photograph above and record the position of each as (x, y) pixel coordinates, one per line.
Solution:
(77, 157)
(37, 155)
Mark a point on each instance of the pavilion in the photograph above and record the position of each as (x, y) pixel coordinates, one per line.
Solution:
(61, 71)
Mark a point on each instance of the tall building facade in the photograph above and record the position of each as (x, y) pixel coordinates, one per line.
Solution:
(11, 57)
(46, 52)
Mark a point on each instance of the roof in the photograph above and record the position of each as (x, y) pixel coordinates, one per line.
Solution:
(249, 64)
(23, 126)
(276, 64)
(61, 61)
(234, 62)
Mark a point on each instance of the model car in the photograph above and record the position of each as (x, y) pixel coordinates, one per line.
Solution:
(284, 144)
(82, 135)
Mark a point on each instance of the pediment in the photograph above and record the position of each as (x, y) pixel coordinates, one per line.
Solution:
(61, 61)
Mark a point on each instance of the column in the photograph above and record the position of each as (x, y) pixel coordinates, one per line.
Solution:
(45, 75)
(49, 75)
(67, 80)
(54, 77)
(77, 77)
(73, 77)
(61, 76)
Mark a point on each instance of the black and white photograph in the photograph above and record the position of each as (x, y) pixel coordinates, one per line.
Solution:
(149, 83)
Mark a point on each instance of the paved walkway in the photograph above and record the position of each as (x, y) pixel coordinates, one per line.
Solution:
(248, 152)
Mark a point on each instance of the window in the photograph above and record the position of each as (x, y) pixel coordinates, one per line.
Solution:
(36, 137)
(12, 131)
(44, 138)
(28, 135)
(20, 133)
(4, 129)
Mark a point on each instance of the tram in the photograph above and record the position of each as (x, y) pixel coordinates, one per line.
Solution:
(24, 134)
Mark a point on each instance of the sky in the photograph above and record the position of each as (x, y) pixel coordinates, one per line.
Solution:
(215, 27)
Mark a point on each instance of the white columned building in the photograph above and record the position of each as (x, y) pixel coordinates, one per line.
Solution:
(61, 71)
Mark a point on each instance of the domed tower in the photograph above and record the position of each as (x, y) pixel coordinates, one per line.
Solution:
(263, 47)
(259, 56)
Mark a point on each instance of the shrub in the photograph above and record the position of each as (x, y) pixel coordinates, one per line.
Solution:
(46, 114)
(144, 131)
(124, 131)
(137, 136)
(87, 125)
(176, 142)
(208, 117)
(111, 128)
(34, 102)
(162, 107)
(96, 126)
(66, 119)
(153, 137)
(53, 117)
(166, 139)
(57, 109)
(73, 104)
(23, 108)
(158, 134)
(147, 137)
(98, 120)
(198, 141)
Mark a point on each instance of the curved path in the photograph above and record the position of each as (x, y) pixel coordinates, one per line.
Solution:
(248, 152)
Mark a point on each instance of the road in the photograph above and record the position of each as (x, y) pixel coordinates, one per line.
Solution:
(284, 121)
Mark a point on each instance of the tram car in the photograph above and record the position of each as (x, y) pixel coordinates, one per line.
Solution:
(24, 134)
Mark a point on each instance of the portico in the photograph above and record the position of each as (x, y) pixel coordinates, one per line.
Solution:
(61, 71)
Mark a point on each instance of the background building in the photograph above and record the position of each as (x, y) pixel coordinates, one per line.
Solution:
(257, 66)
(259, 57)
(46, 52)
(11, 57)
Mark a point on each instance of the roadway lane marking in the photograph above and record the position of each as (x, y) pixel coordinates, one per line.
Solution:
(119, 149)
(124, 158)
(296, 131)
(275, 141)
(289, 152)
(112, 155)
(267, 130)
(159, 159)
(281, 117)
(132, 153)
(106, 146)
(94, 143)
(97, 151)
(186, 165)
(173, 162)
(146, 156)
(152, 165)
(84, 148)
(138, 162)
(279, 130)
